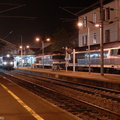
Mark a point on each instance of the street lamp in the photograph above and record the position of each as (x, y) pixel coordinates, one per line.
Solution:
(21, 47)
(101, 48)
(38, 39)
(80, 24)
(21, 56)
(66, 54)
(101, 37)
(27, 47)
(101, 45)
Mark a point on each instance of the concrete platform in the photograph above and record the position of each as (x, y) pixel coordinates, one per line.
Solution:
(16, 103)
(110, 81)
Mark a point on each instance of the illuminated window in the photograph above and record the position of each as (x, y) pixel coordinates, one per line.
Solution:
(84, 40)
(94, 18)
(85, 21)
(94, 38)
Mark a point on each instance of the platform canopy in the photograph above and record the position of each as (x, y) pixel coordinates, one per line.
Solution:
(6, 46)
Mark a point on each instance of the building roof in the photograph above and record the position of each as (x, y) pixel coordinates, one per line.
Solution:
(92, 7)
(6, 46)
(97, 46)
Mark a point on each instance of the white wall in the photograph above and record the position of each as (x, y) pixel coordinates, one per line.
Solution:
(114, 27)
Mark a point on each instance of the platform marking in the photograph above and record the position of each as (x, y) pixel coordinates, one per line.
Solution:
(32, 112)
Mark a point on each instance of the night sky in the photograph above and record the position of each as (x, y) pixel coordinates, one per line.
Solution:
(48, 18)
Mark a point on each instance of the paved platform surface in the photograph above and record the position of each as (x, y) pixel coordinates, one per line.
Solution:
(16, 103)
(115, 78)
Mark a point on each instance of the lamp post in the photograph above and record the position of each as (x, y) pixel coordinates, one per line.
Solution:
(66, 54)
(89, 49)
(21, 56)
(26, 48)
(73, 60)
(88, 30)
(38, 39)
(23, 52)
(101, 48)
(101, 37)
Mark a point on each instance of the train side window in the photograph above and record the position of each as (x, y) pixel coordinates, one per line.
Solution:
(86, 55)
(105, 54)
(82, 55)
(79, 56)
(92, 55)
(63, 57)
(112, 52)
(118, 52)
(97, 54)
(37, 60)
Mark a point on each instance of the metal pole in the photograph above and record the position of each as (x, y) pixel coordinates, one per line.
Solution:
(101, 37)
(21, 52)
(43, 53)
(66, 57)
(73, 60)
(24, 50)
(89, 49)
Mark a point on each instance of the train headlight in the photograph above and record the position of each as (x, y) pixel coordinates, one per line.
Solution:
(11, 63)
(8, 55)
(5, 63)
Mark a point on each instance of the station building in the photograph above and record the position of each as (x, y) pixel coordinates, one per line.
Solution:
(91, 16)
(26, 59)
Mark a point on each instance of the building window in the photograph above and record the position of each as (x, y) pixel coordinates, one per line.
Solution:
(103, 14)
(114, 52)
(84, 40)
(107, 36)
(94, 17)
(118, 52)
(85, 21)
(94, 38)
(107, 13)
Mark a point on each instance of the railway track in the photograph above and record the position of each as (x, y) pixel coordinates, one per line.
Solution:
(84, 101)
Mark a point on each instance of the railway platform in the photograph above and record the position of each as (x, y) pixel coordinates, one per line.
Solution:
(17, 103)
(111, 81)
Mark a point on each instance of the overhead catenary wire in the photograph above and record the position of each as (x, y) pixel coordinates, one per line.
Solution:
(69, 11)
(8, 4)
(16, 6)
(12, 8)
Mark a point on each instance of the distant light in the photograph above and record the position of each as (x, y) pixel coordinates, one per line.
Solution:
(8, 55)
(4, 63)
(48, 39)
(80, 24)
(11, 63)
(27, 46)
(97, 25)
(37, 39)
(21, 47)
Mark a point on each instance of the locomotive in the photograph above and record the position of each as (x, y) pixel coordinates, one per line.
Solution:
(85, 59)
(7, 61)
(50, 60)
(92, 59)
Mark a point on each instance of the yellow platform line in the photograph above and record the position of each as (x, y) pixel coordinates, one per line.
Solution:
(32, 112)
